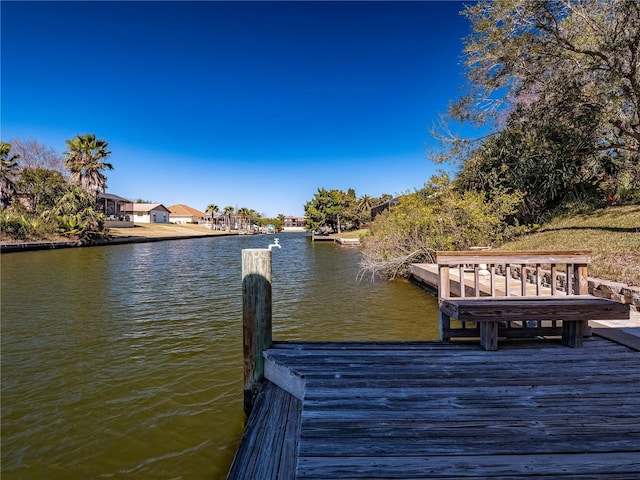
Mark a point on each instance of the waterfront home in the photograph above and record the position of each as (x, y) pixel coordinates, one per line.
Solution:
(183, 214)
(293, 224)
(113, 207)
(147, 212)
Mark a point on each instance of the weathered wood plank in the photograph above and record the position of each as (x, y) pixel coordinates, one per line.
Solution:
(526, 256)
(472, 286)
(583, 307)
(431, 347)
(429, 410)
(273, 439)
(269, 444)
(284, 376)
(340, 442)
(243, 463)
(385, 363)
(256, 317)
(449, 396)
(489, 335)
(427, 372)
(289, 458)
(447, 383)
(598, 466)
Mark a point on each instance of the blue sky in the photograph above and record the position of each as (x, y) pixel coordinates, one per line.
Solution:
(248, 104)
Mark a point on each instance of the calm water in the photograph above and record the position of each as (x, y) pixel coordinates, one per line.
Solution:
(126, 361)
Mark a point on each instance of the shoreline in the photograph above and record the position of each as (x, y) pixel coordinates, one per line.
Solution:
(122, 236)
(33, 246)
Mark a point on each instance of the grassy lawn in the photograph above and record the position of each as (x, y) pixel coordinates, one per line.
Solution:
(612, 234)
(351, 234)
(163, 230)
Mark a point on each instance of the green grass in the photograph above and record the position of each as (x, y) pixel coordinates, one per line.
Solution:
(352, 234)
(612, 234)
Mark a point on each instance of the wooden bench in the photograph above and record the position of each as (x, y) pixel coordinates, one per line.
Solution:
(519, 294)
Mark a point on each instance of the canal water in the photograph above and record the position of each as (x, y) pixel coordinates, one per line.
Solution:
(126, 360)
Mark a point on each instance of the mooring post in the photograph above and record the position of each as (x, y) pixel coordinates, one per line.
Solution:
(256, 318)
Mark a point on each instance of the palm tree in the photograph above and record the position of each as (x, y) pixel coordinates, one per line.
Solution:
(363, 209)
(85, 160)
(75, 213)
(212, 209)
(8, 164)
(228, 210)
(365, 203)
(243, 213)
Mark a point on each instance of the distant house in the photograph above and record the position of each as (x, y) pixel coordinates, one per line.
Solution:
(111, 205)
(147, 212)
(180, 213)
(293, 224)
(114, 209)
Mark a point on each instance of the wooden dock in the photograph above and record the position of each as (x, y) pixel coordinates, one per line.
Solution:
(445, 410)
(349, 242)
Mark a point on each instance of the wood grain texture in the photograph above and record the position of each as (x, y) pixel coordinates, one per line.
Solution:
(526, 302)
(269, 445)
(452, 410)
(256, 317)
(517, 256)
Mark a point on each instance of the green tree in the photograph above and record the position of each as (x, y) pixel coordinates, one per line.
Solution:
(41, 188)
(212, 209)
(277, 222)
(349, 218)
(327, 209)
(543, 158)
(363, 208)
(256, 217)
(547, 67)
(8, 167)
(85, 160)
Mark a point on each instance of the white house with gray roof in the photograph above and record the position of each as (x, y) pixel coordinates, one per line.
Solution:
(147, 212)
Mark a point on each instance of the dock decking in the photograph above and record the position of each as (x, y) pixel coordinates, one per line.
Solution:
(445, 410)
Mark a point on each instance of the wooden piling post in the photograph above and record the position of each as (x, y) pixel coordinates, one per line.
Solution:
(256, 318)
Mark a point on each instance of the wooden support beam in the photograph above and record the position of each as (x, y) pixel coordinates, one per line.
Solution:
(256, 318)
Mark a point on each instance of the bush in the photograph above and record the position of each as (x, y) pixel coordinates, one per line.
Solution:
(21, 226)
(14, 226)
(75, 215)
(439, 217)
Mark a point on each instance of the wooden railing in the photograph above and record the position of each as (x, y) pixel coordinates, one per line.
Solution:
(487, 304)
